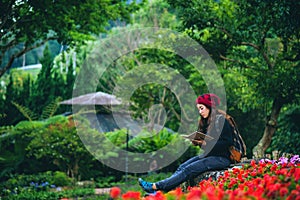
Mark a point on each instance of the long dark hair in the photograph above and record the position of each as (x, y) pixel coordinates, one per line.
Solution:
(205, 124)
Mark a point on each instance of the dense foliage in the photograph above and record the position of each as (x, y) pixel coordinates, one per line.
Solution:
(26, 147)
(251, 37)
(256, 54)
(56, 79)
(32, 24)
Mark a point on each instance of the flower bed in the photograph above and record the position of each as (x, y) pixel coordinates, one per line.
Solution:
(266, 179)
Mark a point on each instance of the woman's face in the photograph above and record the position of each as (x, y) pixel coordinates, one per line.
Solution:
(203, 110)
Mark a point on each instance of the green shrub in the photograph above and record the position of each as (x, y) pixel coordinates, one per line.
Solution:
(78, 192)
(34, 195)
(61, 179)
(27, 181)
(102, 182)
(50, 195)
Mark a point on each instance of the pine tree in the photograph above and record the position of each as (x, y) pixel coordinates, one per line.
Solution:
(43, 89)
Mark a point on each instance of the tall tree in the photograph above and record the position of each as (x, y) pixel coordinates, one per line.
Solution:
(261, 38)
(43, 89)
(32, 23)
(151, 96)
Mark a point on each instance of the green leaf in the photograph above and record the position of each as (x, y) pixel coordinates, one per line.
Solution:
(26, 112)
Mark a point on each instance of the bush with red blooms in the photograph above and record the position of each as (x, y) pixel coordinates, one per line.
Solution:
(265, 179)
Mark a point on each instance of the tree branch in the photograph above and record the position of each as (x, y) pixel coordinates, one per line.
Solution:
(297, 58)
(236, 61)
(8, 45)
(20, 53)
(224, 31)
(251, 45)
(266, 58)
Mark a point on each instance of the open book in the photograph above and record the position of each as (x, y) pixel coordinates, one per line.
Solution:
(198, 136)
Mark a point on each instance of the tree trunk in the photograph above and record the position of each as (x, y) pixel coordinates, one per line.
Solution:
(76, 169)
(270, 128)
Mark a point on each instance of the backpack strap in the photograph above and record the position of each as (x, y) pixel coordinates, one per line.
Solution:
(237, 134)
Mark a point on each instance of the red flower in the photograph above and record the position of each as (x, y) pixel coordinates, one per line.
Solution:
(253, 173)
(273, 168)
(259, 191)
(115, 192)
(236, 171)
(294, 195)
(131, 195)
(232, 183)
(226, 174)
(246, 174)
(158, 196)
(283, 191)
(177, 193)
(253, 163)
(211, 193)
(220, 193)
(261, 170)
(259, 181)
(194, 194)
(297, 174)
(283, 171)
(275, 187)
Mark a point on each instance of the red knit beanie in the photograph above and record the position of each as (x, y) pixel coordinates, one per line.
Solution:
(209, 100)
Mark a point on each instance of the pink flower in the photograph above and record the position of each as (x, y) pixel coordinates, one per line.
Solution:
(295, 159)
(283, 160)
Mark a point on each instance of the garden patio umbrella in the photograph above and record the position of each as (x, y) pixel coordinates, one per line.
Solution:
(97, 98)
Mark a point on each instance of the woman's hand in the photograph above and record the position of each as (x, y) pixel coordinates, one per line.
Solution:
(199, 142)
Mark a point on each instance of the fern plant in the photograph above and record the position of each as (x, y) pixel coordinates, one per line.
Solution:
(27, 113)
(48, 111)
(51, 108)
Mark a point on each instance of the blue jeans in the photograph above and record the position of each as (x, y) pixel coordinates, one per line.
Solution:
(192, 168)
